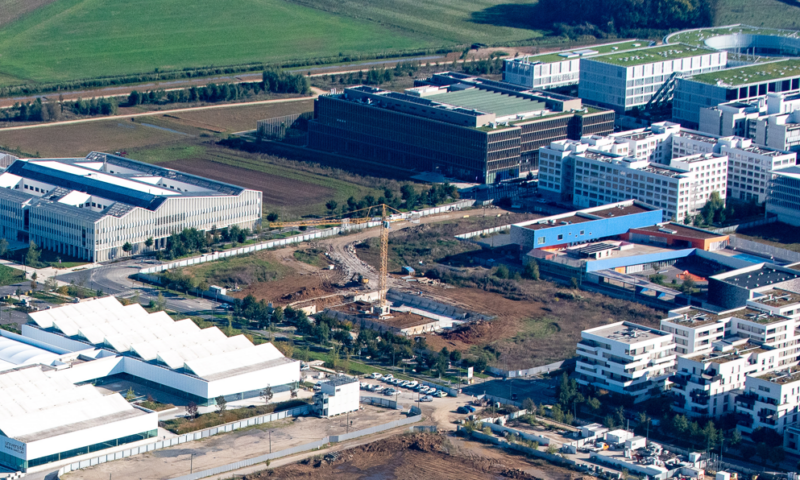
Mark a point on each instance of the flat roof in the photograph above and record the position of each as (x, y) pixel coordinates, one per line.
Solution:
(582, 52)
(571, 220)
(759, 316)
(698, 36)
(695, 318)
(341, 380)
(777, 297)
(488, 102)
(762, 276)
(627, 332)
(660, 53)
(403, 320)
(582, 216)
(725, 357)
(761, 72)
(790, 172)
(781, 377)
(697, 136)
(680, 230)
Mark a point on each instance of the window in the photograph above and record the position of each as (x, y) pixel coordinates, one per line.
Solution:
(540, 241)
(582, 231)
(561, 236)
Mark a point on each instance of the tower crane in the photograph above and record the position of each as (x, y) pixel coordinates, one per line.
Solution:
(386, 218)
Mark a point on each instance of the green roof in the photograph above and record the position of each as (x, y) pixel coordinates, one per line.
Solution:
(749, 74)
(699, 36)
(651, 55)
(554, 57)
(485, 101)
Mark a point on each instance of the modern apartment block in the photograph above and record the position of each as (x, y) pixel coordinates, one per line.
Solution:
(770, 400)
(680, 189)
(90, 207)
(627, 359)
(556, 69)
(652, 144)
(466, 127)
(627, 80)
(783, 197)
(743, 84)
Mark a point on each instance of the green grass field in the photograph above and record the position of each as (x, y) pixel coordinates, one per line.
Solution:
(759, 13)
(10, 276)
(71, 39)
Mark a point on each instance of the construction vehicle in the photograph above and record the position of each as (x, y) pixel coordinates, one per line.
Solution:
(385, 220)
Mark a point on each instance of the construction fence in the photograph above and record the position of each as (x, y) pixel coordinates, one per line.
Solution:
(180, 439)
(305, 237)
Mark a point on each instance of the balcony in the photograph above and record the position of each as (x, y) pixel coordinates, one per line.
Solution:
(746, 400)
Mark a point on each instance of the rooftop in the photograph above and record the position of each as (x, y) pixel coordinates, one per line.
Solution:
(681, 231)
(626, 332)
(791, 172)
(759, 276)
(488, 102)
(781, 377)
(778, 297)
(698, 37)
(762, 72)
(660, 53)
(340, 380)
(36, 403)
(759, 316)
(696, 136)
(582, 52)
(695, 318)
(725, 357)
(588, 215)
(401, 320)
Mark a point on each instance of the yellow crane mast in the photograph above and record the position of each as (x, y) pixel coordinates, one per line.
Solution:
(385, 221)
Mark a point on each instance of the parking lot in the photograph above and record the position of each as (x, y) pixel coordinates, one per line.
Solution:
(541, 391)
(393, 389)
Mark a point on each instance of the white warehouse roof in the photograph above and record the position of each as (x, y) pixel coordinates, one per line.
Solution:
(36, 404)
(14, 354)
(156, 338)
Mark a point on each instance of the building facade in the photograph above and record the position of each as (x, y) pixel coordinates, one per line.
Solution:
(338, 395)
(750, 167)
(783, 198)
(91, 207)
(466, 127)
(627, 80)
(627, 359)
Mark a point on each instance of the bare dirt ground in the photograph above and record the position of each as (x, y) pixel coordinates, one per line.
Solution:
(277, 190)
(244, 118)
(410, 457)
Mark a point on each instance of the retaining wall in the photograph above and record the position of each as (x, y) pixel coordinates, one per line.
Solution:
(527, 372)
(742, 226)
(762, 249)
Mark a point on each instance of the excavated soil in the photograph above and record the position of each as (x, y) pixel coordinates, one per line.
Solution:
(406, 457)
(290, 289)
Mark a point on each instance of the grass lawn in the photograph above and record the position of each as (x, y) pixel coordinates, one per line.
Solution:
(241, 270)
(207, 420)
(759, 13)
(777, 234)
(10, 276)
(71, 39)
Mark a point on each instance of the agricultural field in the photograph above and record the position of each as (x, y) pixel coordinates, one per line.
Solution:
(73, 39)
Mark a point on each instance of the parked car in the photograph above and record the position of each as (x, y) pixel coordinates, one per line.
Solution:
(426, 398)
(440, 394)
(317, 387)
(376, 376)
(378, 388)
(413, 384)
(389, 391)
(462, 410)
(425, 390)
(418, 387)
(471, 408)
(388, 377)
(363, 386)
(431, 391)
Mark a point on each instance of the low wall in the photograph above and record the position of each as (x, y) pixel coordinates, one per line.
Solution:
(188, 437)
(381, 402)
(526, 372)
(742, 226)
(305, 237)
(762, 249)
(433, 306)
(502, 443)
(527, 436)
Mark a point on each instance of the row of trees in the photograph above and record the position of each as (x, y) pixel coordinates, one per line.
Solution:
(408, 199)
(602, 18)
(38, 111)
(191, 240)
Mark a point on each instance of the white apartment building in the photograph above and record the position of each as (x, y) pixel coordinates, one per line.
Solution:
(91, 207)
(556, 167)
(732, 118)
(627, 80)
(338, 395)
(706, 384)
(556, 69)
(695, 330)
(626, 358)
(749, 167)
(680, 189)
(652, 144)
(770, 400)
(783, 198)
(688, 142)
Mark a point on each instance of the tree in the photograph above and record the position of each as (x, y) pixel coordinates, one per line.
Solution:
(331, 206)
(747, 452)
(130, 394)
(32, 257)
(191, 410)
(267, 394)
(51, 284)
(763, 451)
(34, 276)
(3, 246)
(573, 282)
(272, 217)
(161, 302)
(149, 242)
(222, 404)
(33, 284)
(776, 456)
(127, 248)
(501, 272)
(532, 270)
(480, 364)
(736, 437)
(455, 356)
(594, 404)
(680, 424)
(529, 405)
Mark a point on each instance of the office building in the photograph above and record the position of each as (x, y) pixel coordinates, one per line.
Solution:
(626, 359)
(735, 118)
(91, 207)
(783, 198)
(556, 164)
(743, 84)
(465, 127)
(556, 69)
(338, 395)
(627, 80)
(681, 189)
(736, 288)
(749, 168)
(45, 418)
(176, 356)
(652, 144)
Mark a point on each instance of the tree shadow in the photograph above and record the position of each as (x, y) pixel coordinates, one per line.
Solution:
(512, 15)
